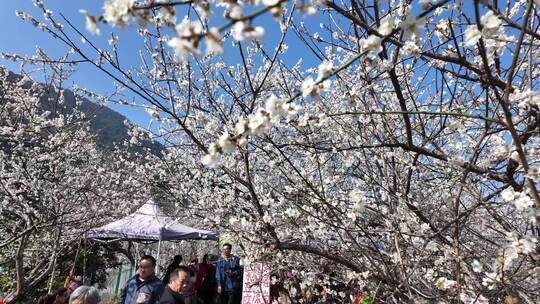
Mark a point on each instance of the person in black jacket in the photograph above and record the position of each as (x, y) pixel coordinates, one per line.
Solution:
(144, 287)
(176, 292)
(172, 266)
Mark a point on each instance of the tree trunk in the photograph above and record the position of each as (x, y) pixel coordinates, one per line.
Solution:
(22, 285)
(19, 272)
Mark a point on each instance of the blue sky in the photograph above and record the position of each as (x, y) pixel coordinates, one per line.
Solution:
(22, 38)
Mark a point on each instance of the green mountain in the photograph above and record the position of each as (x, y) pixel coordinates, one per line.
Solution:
(110, 126)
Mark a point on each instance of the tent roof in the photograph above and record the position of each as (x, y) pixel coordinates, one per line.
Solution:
(149, 223)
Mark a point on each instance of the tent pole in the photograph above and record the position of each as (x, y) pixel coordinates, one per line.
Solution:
(157, 258)
(117, 286)
(84, 262)
(130, 272)
(52, 276)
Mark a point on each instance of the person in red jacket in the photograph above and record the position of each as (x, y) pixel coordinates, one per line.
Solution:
(206, 284)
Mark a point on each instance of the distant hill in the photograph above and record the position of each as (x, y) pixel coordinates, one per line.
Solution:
(106, 123)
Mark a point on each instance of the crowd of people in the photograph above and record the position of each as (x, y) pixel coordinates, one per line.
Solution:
(212, 281)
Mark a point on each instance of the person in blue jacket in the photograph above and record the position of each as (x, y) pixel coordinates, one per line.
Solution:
(144, 287)
(229, 277)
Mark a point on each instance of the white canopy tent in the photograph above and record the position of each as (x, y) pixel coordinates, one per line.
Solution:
(149, 223)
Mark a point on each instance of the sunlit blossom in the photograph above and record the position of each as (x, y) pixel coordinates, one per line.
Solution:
(472, 35)
(242, 32)
(116, 12)
(490, 23)
(187, 42)
(387, 25)
(371, 44)
(91, 23)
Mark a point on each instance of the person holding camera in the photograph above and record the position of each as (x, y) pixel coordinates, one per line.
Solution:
(229, 277)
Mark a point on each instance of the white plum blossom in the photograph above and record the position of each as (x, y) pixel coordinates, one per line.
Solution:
(491, 279)
(292, 212)
(490, 23)
(203, 9)
(153, 113)
(233, 220)
(48, 14)
(358, 204)
(214, 45)
(211, 160)
(476, 266)
(303, 120)
(92, 25)
(372, 44)
(38, 4)
(521, 200)
(274, 107)
(472, 35)
(309, 87)
(524, 246)
(270, 2)
(387, 25)
(325, 69)
(313, 88)
(242, 32)
(259, 122)
(213, 157)
(411, 48)
(241, 126)
(187, 40)
(243, 142)
(444, 283)
(167, 15)
(113, 40)
(443, 30)
(480, 300)
(22, 15)
(514, 155)
(235, 12)
(291, 108)
(508, 194)
(225, 143)
(116, 12)
(526, 98)
(534, 174)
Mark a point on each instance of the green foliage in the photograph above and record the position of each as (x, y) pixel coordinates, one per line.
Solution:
(367, 299)
(92, 262)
